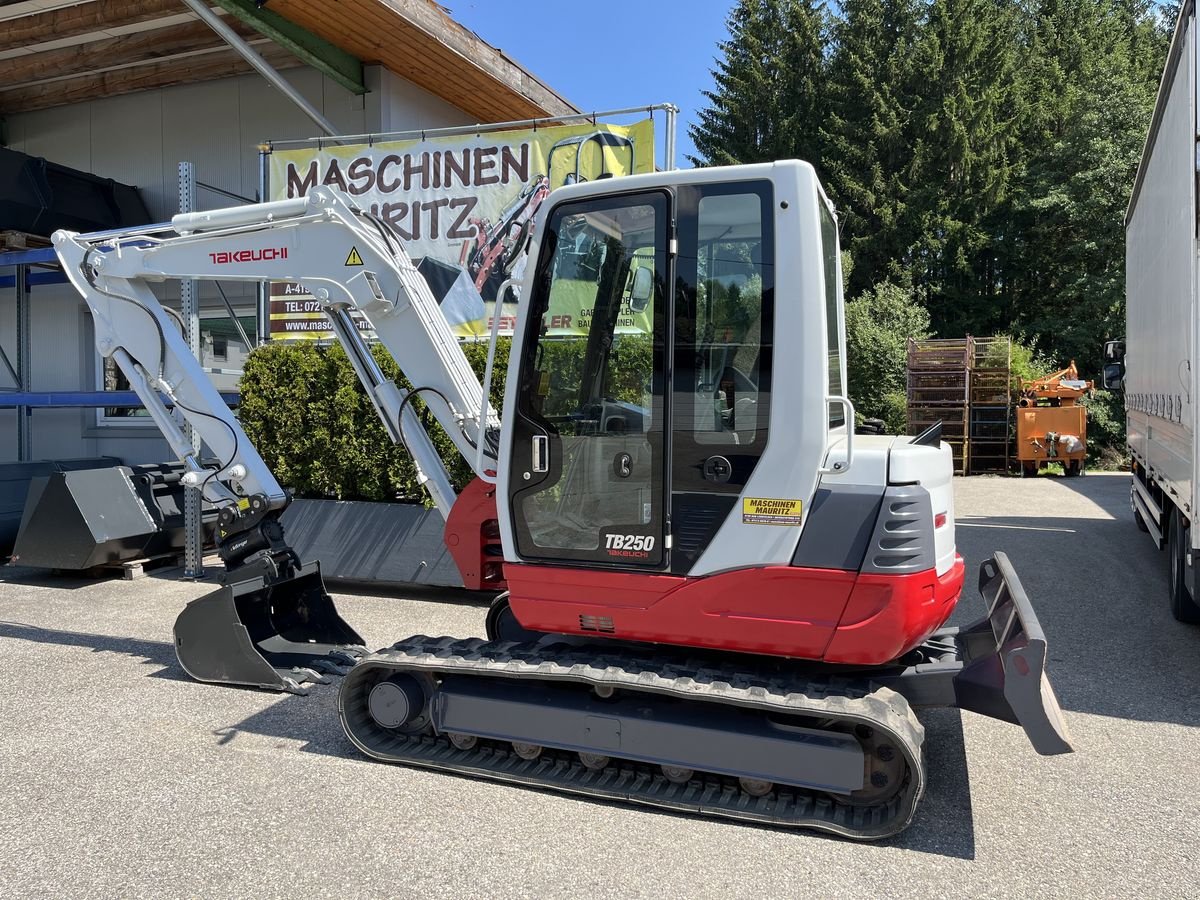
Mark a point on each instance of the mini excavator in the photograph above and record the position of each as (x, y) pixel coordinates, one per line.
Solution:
(712, 595)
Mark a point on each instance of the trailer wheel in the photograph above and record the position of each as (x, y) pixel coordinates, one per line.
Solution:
(1183, 607)
(1139, 521)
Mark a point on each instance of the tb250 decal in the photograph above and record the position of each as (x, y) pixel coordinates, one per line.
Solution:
(629, 546)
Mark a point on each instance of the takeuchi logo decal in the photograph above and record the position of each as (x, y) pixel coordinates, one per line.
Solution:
(224, 257)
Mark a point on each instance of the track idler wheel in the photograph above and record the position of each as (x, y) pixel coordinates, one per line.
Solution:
(400, 703)
(526, 751)
(678, 774)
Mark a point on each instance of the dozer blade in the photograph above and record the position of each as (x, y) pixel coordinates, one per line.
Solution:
(1005, 655)
(274, 635)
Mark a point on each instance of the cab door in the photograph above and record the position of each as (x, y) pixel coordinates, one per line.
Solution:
(724, 322)
(587, 482)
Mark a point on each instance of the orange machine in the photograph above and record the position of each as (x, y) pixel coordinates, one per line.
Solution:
(1051, 423)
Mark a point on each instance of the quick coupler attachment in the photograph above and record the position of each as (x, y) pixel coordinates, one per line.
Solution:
(267, 633)
(1004, 662)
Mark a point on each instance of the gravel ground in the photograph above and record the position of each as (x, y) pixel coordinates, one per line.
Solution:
(121, 777)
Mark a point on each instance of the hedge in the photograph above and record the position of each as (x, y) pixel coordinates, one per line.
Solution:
(306, 413)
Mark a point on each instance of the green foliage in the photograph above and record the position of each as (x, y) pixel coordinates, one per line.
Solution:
(865, 137)
(1106, 430)
(768, 85)
(879, 323)
(306, 413)
(981, 153)
(1026, 363)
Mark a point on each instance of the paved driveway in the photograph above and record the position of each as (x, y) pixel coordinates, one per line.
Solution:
(119, 776)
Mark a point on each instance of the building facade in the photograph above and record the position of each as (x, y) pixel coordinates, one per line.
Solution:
(136, 132)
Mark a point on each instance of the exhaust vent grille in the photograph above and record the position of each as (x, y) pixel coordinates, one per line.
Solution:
(602, 624)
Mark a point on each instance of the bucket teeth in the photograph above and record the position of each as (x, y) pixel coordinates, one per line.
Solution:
(298, 679)
(336, 663)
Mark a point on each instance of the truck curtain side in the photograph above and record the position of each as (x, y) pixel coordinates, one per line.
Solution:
(1161, 319)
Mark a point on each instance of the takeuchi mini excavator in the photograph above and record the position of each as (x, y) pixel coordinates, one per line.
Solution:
(719, 598)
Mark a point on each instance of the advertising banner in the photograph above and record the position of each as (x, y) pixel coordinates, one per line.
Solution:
(464, 206)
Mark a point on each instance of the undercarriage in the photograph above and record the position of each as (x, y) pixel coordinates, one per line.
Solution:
(789, 743)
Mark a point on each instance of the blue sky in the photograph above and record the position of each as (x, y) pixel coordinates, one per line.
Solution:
(609, 54)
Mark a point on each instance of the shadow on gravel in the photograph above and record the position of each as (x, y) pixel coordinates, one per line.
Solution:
(1099, 587)
(70, 581)
(444, 595)
(944, 823)
(10, 574)
(159, 653)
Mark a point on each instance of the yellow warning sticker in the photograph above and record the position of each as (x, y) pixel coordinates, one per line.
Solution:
(770, 511)
(354, 259)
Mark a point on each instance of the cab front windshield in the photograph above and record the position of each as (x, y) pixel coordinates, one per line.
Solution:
(596, 322)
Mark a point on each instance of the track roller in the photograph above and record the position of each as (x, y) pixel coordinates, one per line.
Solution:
(678, 774)
(756, 787)
(594, 761)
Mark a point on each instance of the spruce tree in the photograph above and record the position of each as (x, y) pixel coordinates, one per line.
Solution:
(1106, 56)
(769, 101)
(866, 133)
(963, 141)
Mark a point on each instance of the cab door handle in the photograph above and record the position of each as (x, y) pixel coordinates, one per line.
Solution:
(540, 453)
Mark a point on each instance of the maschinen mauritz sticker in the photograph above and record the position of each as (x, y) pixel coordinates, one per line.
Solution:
(770, 511)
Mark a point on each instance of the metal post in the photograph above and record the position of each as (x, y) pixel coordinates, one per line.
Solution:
(24, 366)
(672, 113)
(189, 303)
(262, 291)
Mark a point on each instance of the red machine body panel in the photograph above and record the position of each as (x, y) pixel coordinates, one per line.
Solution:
(472, 535)
(831, 615)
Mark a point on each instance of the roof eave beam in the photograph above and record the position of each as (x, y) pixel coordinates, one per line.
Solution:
(248, 53)
(344, 68)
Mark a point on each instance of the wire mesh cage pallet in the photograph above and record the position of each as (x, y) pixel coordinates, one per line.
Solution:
(953, 418)
(961, 451)
(953, 354)
(964, 383)
(941, 386)
(991, 406)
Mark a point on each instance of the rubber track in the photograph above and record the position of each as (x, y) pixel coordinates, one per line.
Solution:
(839, 700)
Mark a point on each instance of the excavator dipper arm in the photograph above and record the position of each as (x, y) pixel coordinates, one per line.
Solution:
(136, 331)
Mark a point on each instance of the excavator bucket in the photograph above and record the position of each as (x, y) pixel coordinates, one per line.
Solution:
(275, 635)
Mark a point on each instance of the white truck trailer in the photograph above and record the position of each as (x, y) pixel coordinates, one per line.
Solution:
(1154, 363)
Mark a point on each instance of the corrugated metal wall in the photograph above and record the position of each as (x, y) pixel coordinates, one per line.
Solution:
(140, 139)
